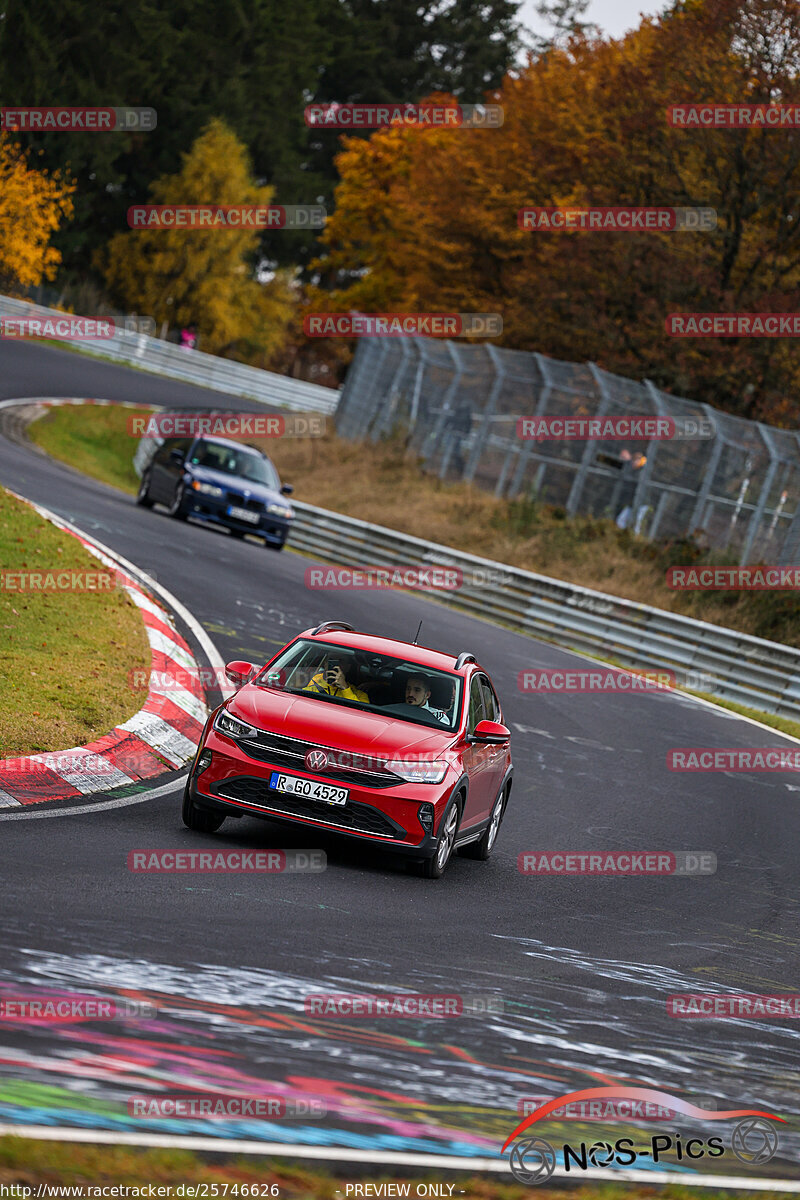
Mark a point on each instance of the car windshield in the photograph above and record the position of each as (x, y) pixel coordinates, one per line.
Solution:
(231, 461)
(381, 683)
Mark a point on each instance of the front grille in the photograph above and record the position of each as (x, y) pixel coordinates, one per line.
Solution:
(289, 752)
(238, 500)
(358, 818)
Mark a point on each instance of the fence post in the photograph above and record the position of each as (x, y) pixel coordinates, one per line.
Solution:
(384, 424)
(431, 444)
(525, 452)
(708, 478)
(578, 483)
(643, 482)
(758, 513)
(488, 413)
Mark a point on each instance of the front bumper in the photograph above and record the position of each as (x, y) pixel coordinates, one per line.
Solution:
(273, 529)
(386, 817)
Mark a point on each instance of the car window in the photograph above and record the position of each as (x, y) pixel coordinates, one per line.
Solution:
(490, 704)
(395, 687)
(232, 461)
(476, 712)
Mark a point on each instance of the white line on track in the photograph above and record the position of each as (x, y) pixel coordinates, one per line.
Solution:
(383, 1158)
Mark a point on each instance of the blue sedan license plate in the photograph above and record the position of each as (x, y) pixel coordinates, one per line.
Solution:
(243, 514)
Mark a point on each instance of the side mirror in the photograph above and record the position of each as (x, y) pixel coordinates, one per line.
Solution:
(239, 672)
(490, 733)
(287, 489)
(177, 456)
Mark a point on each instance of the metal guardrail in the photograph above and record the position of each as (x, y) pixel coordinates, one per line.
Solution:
(192, 366)
(735, 666)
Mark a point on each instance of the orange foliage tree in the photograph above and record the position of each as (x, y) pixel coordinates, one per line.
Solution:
(427, 220)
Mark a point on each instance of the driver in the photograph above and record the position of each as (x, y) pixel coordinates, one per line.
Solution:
(418, 693)
(332, 681)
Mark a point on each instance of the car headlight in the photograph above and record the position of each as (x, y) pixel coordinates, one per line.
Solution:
(233, 727)
(207, 489)
(279, 510)
(418, 772)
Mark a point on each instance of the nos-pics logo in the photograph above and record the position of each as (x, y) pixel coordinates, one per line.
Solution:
(533, 1160)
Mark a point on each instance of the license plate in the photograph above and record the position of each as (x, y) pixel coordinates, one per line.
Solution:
(244, 514)
(325, 792)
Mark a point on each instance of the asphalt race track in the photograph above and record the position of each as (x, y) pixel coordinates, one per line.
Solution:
(582, 965)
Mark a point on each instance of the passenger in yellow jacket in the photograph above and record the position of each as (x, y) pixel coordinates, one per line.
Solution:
(332, 682)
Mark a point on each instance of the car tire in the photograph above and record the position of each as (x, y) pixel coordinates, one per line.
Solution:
(435, 867)
(198, 819)
(142, 496)
(483, 847)
(177, 508)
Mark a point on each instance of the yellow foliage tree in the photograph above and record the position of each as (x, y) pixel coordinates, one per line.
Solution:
(204, 277)
(33, 205)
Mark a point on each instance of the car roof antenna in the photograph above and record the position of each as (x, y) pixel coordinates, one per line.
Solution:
(416, 635)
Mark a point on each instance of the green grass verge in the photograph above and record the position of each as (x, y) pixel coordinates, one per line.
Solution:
(65, 657)
(31, 1162)
(92, 438)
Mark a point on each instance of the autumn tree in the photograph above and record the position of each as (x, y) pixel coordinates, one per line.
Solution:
(33, 205)
(204, 277)
(429, 221)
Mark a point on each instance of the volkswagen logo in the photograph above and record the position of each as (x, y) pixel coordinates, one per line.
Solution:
(316, 760)
(754, 1141)
(532, 1161)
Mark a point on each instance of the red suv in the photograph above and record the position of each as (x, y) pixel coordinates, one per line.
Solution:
(384, 741)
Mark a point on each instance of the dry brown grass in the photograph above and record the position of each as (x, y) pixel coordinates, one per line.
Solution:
(382, 483)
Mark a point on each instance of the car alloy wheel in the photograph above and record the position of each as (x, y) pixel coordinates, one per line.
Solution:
(142, 496)
(483, 847)
(446, 838)
(494, 822)
(178, 506)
